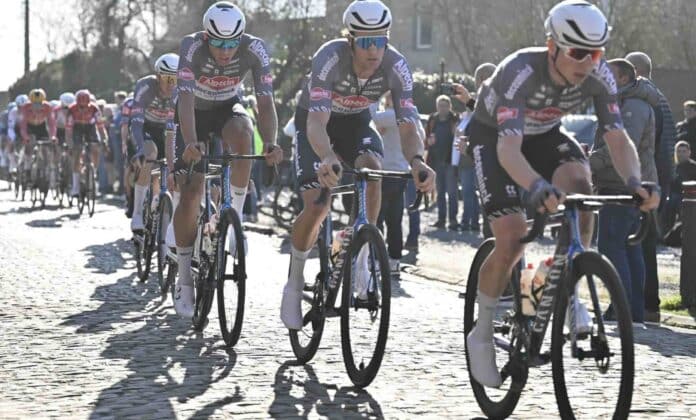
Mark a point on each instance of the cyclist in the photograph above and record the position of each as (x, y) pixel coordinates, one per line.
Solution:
(212, 65)
(14, 118)
(61, 114)
(332, 122)
(151, 120)
(37, 123)
(515, 139)
(84, 119)
(4, 142)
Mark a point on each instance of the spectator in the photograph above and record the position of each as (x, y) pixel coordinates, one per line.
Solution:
(115, 139)
(470, 216)
(410, 196)
(440, 134)
(617, 222)
(686, 130)
(665, 134)
(686, 171)
(392, 210)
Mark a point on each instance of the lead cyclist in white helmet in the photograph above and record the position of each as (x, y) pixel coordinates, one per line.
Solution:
(515, 140)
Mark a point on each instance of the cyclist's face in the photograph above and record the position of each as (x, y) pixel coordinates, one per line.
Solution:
(167, 84)
(573, 70)
(222, 56)
(367, 59)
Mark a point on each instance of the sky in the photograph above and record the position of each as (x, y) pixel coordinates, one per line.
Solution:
(44, 18)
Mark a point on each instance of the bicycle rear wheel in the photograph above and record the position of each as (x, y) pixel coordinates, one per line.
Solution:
(305, 342)
(204, 282)
(365, 304)
(147, 247)
(608, 355)
(231, 288)
(91, 190)
(495, 403)
(285, 205)
(164, 217)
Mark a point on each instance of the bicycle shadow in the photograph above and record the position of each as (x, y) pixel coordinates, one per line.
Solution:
(165, 360)
(316, 398)
(55, 222)
(666, 341)
(110, 257)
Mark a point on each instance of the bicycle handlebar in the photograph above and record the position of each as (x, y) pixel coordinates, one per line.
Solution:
(590, 202)
(222, 159)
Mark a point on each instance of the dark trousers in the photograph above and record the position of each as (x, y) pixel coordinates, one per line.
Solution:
(391, 213)
(652, 288)
(615, 224)
(413, 218)
(446, 183)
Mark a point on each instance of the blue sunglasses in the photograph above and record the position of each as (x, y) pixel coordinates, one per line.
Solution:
(226, 44)
(365, 42)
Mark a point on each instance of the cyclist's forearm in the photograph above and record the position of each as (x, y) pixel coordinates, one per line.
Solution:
(513, 161)
(187, 119)
(268, 120)
(411, 143)
(623, 154)
(317, 135)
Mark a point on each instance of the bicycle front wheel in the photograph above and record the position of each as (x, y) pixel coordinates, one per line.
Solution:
(365, 305)
(164, 217)
(495, 403)
(599, 350)
(91, 190)
(231, 288)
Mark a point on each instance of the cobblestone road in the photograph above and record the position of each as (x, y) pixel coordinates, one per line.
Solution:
(81, 337)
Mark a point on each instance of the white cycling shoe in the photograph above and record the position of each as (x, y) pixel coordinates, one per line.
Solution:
(583, 319)
(183, 301)
(137, 222)
(291, 304)
(482, 361)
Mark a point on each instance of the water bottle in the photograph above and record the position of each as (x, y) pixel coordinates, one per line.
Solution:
(526, 278)
(539, 281)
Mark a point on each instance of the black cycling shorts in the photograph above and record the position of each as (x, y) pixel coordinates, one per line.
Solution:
(156, 134)
(84, 132)
(545, 152)
(350, 136)
(60, 133)
(39, 131)
(209, 125)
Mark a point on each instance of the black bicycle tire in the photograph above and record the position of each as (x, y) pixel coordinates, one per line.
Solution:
(92, 191)
(492, 409)
(278, 212)
(363, 377)
(205, 291)
(163, 208)
(230, 334)
(304, 354)
(598, 266)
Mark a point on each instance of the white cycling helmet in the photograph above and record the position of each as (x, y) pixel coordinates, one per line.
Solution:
(224, 20)
(577, 24)
(67, 99)
(167, 64)
(21, 99)
(367, 16)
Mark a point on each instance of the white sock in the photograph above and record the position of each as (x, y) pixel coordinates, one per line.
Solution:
(183, 256)
(76, 179)
(238, 196)
(139, 198)
(176, 196)
(297, 264)
(486, 311)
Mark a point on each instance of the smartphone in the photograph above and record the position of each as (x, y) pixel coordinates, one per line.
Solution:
(447, 89)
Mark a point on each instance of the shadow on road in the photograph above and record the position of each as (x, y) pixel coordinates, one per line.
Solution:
(110, 257)
(314, 398)
(165, 360)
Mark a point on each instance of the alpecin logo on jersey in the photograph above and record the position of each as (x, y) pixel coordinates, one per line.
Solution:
(350, 102)
(401, 70)
(545, 114)
(259, 50)
(186, 74)
(219, 82)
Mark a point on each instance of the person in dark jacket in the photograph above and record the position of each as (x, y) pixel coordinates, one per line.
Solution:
(617, 222)
(665, 137)
(439, 133)
(686, 130)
